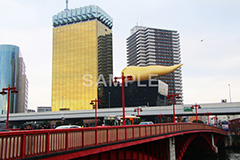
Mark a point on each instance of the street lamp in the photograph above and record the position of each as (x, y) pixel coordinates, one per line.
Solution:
(208, 114)
(14, 91)
(109, 99)
(168, 97)
(161, 116)
(123, 92)
(230, 93)
(196, 107)
(138, 110)
(95, 106)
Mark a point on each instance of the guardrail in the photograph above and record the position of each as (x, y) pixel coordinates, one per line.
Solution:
(21, 144)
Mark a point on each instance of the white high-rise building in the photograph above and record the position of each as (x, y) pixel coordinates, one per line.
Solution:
(151, 46)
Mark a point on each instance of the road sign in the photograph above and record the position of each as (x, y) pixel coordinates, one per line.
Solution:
(187, 109)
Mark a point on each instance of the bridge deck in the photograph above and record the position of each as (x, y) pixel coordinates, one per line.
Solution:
(214, 108)
(22, 144)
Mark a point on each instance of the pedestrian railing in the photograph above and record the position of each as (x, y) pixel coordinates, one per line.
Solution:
(22, 144)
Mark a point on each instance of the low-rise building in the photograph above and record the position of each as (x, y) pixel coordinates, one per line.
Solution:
(44, 109)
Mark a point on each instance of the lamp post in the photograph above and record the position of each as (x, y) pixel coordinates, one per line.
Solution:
(95, 106)
(196, 107)
(138, 110)
(168, 97)
(14, 91)
(208, 114)
(230, 93)
(161, 116)
(123, 92)
(109, 99)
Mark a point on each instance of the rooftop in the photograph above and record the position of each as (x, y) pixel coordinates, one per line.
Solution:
(70, 16)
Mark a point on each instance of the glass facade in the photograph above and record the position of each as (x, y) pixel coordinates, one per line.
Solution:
(81, 52)
(8, 75)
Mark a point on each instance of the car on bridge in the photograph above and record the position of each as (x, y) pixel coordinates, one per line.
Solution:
(68, 127)
(4, 130)
(146, 123)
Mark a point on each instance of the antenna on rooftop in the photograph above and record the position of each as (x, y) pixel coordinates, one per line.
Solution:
(66, 5)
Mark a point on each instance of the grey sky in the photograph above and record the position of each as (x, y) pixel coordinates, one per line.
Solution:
(209, 66)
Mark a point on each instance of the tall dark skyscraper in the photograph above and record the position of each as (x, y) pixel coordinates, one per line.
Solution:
(151, 46)
(82, 50)
(13, 73)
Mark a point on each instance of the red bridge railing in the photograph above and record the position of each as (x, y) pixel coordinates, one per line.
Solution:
(21, 144)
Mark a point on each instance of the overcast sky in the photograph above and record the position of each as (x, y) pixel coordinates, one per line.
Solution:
(209, 65)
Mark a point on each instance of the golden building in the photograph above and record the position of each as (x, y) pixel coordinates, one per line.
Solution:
(82, 50)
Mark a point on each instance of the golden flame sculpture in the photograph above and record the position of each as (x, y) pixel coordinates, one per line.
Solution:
(145, 73)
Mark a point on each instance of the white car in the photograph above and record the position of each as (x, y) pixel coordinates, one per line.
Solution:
(68, 127)
(145, 123)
